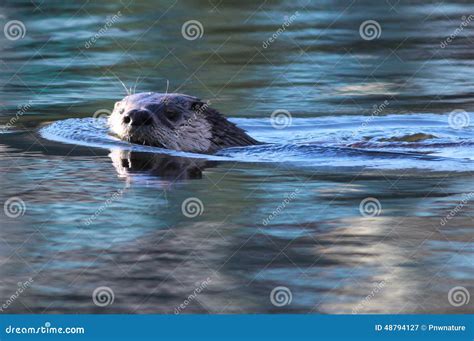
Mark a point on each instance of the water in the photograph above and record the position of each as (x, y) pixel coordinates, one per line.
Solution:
(372, 133)
(344, 141)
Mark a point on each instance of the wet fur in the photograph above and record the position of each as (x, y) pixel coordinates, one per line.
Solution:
(199, 129)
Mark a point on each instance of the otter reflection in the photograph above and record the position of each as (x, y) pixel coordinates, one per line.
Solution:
(129, 163)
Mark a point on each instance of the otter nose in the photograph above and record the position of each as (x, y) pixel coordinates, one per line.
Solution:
(137, 118)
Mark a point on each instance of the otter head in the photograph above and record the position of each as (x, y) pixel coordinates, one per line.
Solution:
(174, 121)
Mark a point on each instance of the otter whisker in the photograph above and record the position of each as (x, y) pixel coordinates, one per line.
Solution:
(166, 92)
(136, 82)
(126, 90)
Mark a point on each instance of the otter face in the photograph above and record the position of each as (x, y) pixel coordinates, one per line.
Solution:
(172, 121)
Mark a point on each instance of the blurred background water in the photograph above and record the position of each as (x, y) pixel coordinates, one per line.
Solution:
(94, 215)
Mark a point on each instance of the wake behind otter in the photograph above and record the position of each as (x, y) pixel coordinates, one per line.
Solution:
(318, 143)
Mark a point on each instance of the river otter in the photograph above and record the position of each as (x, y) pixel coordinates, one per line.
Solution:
(175, 121)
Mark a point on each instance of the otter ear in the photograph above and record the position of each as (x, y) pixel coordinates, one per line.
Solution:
(199, 105)
(196, 105)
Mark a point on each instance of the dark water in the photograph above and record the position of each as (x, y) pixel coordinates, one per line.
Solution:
(363, 204)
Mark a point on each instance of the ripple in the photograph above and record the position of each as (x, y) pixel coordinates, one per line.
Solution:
(385, 142)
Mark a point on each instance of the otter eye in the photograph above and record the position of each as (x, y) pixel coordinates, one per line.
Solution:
(172, 115)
